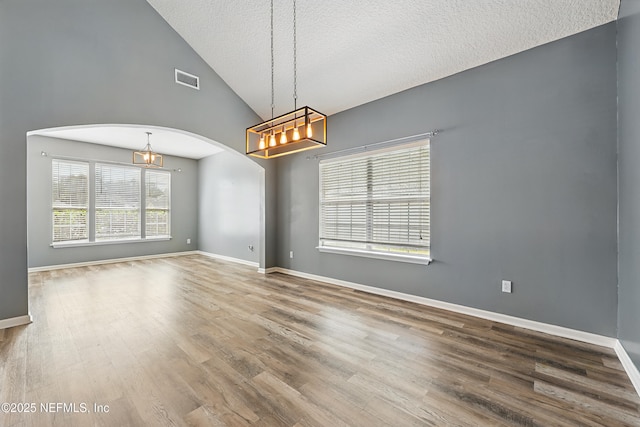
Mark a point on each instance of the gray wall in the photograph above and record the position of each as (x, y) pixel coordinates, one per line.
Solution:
(523, 186)
(184, 203)
(629, 178)
(74, 62)
(230, 200)
(523, 175)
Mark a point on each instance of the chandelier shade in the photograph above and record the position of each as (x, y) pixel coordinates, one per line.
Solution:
(299, 130)
(147, 157)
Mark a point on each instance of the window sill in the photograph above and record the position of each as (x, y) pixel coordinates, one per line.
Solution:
(107, 242)
(377, 255)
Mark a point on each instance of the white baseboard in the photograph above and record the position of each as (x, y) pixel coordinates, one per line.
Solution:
(269, 270)
(489, 315)
(230, 259)
(629, 366)
(15, 321)
(109, 261)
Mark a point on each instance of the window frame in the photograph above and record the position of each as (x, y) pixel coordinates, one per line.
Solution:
(365, 247)
(147, 208)
(91, 211)
(124, 210)
(54, 208)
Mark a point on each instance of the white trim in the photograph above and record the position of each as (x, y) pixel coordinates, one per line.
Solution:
(559, 331)
(72, 244)
(376, 255)
(174, 151)
(109, 261)
(196, 87)
(628, 365)
(270, 270)
(15, 321)
(230, 259)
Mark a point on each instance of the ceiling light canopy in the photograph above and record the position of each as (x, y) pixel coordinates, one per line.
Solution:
(301, 129)
(147, 157)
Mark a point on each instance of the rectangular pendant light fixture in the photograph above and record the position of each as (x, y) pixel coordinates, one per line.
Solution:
(300, 130)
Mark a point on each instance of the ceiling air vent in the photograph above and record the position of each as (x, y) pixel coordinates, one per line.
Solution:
(187, 79)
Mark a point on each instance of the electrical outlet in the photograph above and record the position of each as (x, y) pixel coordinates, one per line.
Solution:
(290, 254)
(506, 286)
(188, 241)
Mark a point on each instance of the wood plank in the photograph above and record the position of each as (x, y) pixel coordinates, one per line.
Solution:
(194, 341)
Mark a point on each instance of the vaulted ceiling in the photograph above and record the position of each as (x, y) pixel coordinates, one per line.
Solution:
(353, 52)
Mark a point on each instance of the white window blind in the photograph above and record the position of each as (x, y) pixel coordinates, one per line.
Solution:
(157, 203)
(377, 202)
(117, 202)
(70, 200)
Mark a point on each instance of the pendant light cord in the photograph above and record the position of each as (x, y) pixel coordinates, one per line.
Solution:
(273, 105)
(295, 60)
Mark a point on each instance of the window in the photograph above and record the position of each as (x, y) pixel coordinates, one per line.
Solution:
(99, 203)
(70, 201)
(117, 202)
(157, 199)
(377, 204)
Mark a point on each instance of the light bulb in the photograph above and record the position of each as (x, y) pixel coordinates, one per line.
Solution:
(283, 137)
(296, 134)
(272, 140)
(153, 158)
(262, 143)
(146, 157)
(309, 131)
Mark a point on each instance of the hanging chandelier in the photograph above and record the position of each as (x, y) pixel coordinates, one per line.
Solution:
(147, 157)
(301, 129)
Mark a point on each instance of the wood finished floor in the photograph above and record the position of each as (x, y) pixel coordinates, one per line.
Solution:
(195, 341)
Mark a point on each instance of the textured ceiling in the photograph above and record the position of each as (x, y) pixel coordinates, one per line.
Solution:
(353, 52)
